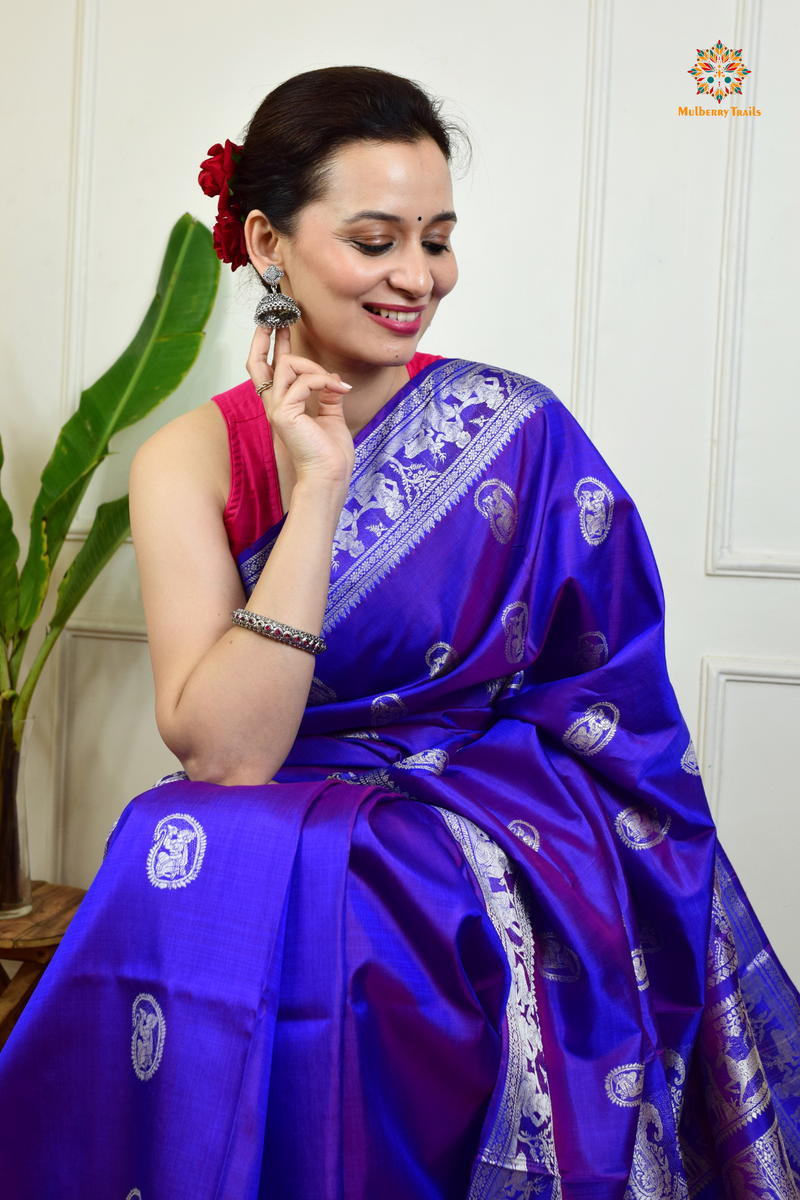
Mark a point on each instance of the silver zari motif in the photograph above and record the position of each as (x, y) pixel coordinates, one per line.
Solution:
(149, 1031)
(596, 504)
(496, 502)
(593, 730)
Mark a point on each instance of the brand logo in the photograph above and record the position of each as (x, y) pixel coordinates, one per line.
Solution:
(719, 74)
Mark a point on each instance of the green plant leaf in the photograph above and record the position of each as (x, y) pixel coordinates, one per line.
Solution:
(9, 580)
(159, 357)
(111, 526)
(44, 550)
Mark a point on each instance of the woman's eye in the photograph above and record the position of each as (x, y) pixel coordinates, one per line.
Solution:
(435, 247)
(371, 248)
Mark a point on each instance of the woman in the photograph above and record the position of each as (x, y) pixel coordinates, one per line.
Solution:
(433, 914)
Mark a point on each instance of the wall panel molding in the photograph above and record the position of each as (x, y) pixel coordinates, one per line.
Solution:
(722, 556)
(80, 187)
(75, 631)
(590, 221)
(716, 674)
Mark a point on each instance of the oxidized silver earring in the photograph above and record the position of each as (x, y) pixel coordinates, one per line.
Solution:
(275, 311)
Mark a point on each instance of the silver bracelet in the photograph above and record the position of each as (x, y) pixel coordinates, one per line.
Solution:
(278, 631)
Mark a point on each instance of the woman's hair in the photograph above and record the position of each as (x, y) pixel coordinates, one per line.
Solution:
(304, 121)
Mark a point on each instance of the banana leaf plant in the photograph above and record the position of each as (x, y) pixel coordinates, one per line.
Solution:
(155, 362)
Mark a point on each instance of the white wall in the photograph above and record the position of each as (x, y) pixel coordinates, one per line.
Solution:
(647, 262)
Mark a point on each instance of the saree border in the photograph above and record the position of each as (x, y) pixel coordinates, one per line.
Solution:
(518, 1155)
(450, 462)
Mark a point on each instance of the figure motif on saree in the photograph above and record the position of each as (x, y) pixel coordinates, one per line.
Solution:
(496, 502)
(434, 761)
(593, 730)
(640, 969)
(737, 1090)
(560, 964)
(149, 1031)
(596, 504)
(641, 827)
(689, 762)
(515, 624)
(591, 652)
(624, 1085)
(650, 938)
(526, 833)
(386, 708)
(440, 659)
(320, 693)
(176, 856)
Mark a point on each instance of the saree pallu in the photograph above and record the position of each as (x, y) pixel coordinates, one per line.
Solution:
(480, 940)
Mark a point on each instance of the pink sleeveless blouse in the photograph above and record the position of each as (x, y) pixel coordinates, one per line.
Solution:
(254, 501)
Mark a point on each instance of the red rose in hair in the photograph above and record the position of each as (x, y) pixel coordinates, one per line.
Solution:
(229, 240)
(215, 178)
(219, 168)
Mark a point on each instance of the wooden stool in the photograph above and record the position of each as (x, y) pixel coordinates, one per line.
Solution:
(33, 940)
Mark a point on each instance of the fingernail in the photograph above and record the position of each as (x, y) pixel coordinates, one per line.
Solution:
(349, 386)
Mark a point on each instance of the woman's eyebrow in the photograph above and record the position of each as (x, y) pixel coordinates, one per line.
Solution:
(370, 214)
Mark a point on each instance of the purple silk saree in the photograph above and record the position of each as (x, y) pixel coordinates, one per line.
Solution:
(480, 942)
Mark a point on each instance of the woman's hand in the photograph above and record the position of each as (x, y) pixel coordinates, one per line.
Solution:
(320, 446)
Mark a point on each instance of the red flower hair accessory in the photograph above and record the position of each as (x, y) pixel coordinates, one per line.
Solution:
(215, 178)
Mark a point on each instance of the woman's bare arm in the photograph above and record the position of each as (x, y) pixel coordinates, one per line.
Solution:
(228, 701)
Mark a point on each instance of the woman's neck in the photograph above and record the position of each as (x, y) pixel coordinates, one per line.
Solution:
(373, 386)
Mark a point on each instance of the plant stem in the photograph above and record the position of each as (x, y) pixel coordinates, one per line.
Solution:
(15, 661)
(5, 672)
(32, 678)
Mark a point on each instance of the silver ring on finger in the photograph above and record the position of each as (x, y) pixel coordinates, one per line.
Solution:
(264, 387)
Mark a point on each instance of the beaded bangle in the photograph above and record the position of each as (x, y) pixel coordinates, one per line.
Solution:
(278, 631)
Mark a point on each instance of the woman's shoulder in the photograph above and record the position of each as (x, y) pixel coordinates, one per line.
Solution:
(192, 448)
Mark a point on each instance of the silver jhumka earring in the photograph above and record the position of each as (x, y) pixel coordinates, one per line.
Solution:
(275, 311)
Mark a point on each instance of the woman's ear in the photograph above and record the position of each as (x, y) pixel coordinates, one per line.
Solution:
(262, 241)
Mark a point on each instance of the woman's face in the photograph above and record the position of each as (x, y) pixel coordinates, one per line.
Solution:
(370, 261)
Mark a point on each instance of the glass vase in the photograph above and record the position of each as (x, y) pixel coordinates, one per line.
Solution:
(15, 876)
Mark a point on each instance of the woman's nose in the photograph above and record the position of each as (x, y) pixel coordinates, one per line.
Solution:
(412, 273)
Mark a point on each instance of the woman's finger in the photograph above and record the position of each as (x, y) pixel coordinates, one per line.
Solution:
(303, 386)
(258, 367)
(283, 345)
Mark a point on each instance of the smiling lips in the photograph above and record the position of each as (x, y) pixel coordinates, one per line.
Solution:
(405, 321)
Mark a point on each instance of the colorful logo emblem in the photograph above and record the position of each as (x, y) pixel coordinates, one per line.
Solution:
(719, 72)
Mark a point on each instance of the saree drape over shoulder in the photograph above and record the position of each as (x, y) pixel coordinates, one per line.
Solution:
(480, 940)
